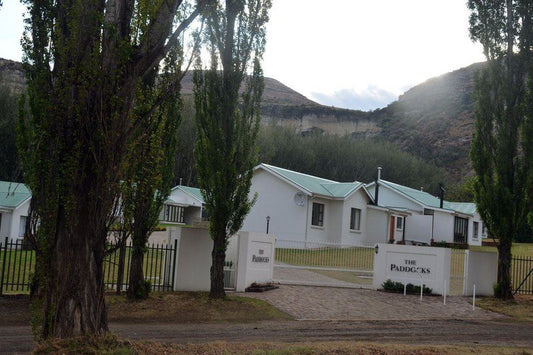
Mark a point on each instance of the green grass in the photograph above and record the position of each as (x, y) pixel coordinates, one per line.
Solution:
(191, 307)
(342, 258)
(518, 249)
(20, 267)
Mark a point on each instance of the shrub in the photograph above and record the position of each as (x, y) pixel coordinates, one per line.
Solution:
(397, 287)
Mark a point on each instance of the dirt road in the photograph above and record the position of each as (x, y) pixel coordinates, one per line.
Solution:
(435, 332)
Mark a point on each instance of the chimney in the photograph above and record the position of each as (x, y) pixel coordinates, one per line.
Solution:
(181, 181)
(376, 194)
(422, 188)
(441, 194)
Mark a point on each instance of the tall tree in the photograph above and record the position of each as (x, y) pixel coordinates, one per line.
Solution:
(150, 171)
(502, 146)
(84, 60)
(227, 124)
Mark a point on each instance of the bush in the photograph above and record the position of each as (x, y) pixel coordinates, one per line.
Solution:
(397, 287)
(443, 244)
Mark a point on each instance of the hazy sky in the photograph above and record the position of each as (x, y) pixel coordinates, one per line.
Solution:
(347, 53)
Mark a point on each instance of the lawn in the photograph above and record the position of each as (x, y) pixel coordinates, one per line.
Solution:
(520, 308)
(18, 266)
(191, 307)
(113, 345)
(518, 249)
(359, 258)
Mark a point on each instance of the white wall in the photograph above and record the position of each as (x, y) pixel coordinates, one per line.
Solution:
(482, 271)
(330, 231)
(418, 227)
(256, 259)
(358, 199)
(192, 214)
(413, 264)
(376, 225)
(443, 227)
(275, 198)
(181, 197)
(194, 258)
(472, 239)
(5, 226)
(14, 225)
(391, 198)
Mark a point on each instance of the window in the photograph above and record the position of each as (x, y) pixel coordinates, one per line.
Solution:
(317, 218)
(355, 219)
(174, 214)
(22, 226)
(460, 230)
(483, 232)
(476, 229)
(399, 222)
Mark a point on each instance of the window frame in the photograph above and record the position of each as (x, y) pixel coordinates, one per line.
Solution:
(399, 219)
(460, 230)
(355, 219)
(174, 214)
(317, 217)
(475, 229)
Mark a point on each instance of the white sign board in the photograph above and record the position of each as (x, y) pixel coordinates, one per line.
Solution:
(256, 259)
(412, 264)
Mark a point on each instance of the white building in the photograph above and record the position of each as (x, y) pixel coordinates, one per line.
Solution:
(451, 222)
(14, 205)
(305, 208)
(183, 206)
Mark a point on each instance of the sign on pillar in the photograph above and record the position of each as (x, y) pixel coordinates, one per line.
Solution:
(256, 259)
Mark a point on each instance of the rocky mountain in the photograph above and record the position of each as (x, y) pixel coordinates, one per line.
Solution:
(433, 120)
(12, 76)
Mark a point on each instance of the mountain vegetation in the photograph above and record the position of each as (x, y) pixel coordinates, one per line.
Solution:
(431, 122)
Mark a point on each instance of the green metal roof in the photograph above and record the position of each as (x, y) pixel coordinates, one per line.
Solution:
(13, 194)
(315, 185)
(432, 201)
(193, 191)
(461, 207)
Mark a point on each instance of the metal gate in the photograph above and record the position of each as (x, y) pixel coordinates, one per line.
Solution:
(522, 275)
(458, 263)
(323, 264)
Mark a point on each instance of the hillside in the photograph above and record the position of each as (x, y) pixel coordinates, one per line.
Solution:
(433, 120)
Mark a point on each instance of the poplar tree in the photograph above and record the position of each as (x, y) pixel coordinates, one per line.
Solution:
(84, 61)
(502, 150)
(228, 123)
(150, 168)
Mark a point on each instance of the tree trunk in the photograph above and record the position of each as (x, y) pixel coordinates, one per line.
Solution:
(218, 257)
(121, 263)
(74, 297)
(504, 289)
(137, 287)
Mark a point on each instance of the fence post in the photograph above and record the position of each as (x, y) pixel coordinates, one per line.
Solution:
(3, 265)
(174, 263)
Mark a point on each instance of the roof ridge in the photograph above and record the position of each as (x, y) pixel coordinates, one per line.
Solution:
(297, 172)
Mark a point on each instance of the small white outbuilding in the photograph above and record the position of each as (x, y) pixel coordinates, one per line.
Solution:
(14, 205)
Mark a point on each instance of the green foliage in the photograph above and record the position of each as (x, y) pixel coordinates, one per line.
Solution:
(345, 158)
(9, 164)
(502, 146)
(398, 287)
(87, 64)
(149, 172)
(228, 123)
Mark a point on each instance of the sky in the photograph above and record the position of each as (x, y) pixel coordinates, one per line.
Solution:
(356, 54)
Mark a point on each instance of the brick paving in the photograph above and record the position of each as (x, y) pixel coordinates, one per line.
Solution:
(330, 303)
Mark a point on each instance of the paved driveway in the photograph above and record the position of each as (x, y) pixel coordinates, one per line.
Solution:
(330, 303)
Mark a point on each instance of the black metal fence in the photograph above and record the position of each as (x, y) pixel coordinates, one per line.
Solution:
(522, 275)
(17, 266)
